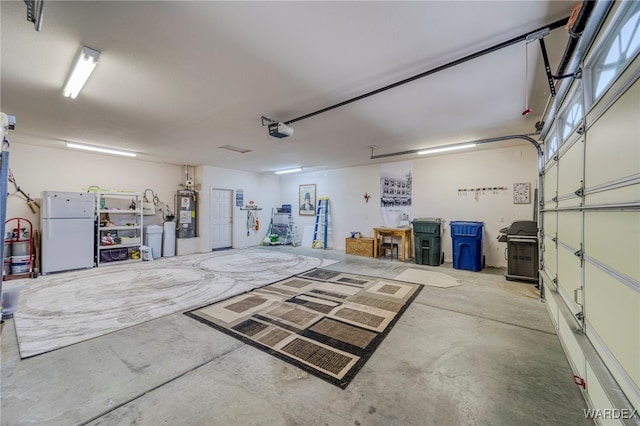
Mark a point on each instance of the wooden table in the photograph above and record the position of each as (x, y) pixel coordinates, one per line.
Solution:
(403, 233)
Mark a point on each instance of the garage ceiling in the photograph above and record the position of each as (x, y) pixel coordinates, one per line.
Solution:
(178, 79)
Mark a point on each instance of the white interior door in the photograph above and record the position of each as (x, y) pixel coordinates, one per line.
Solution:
(221, 218)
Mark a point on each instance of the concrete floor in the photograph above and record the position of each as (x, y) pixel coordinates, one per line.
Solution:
(478, 354)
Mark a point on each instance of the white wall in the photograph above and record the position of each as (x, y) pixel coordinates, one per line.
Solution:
(38, 169)
(348, 211)
(435, 190)
(263, 189)
(436, 181)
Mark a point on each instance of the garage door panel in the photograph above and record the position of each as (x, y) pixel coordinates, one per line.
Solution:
(567, 335)
(552, 306)
(612, 149)
(549, 222)
(550, 183)
(550, 227)
(569, 275)
(606, 240)
(570, 170)
(570, 202)
(613, 310)
(614, 196)
(549, 255)
(570, 228)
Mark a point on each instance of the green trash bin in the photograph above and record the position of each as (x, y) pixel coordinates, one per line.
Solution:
(427, 234)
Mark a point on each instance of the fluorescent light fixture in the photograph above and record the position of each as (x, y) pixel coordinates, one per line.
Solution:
(82, 69)
(446, 148)
(281, 172)
(98, 149)
(235, 149)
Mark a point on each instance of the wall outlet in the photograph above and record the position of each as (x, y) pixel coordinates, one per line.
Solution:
(501, 219)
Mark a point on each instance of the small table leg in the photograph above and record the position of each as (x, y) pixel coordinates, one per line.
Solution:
(375, 244)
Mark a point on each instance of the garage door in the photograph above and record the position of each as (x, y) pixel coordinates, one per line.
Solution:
(591, 211)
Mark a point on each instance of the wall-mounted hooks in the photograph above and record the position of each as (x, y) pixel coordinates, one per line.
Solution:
(495, 190)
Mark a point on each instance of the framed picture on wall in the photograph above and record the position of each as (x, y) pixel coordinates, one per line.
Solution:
(307, 199)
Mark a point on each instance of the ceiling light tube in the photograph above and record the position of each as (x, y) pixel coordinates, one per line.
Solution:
(82, 69)
(446, 148)
(281, 172)
(98, 149)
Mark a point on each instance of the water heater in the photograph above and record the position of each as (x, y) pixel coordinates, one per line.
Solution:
(186, 213)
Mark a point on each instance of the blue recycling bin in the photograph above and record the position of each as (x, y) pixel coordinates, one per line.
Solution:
(467, 245)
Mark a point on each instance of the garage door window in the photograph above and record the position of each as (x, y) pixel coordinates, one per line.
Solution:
(621, 46)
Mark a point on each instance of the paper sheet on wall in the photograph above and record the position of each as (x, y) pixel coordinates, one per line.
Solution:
(395, 194)
(307, 236)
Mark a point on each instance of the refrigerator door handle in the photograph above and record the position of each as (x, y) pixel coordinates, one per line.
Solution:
(46, 205)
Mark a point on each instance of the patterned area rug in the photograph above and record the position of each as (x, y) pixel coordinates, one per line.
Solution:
(325, 322)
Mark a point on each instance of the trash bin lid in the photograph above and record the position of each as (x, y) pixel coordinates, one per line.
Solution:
(466, 229)
(427, 219)
(153, 229)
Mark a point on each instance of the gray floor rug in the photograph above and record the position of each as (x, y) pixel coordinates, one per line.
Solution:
(430, 278)
(58, 310)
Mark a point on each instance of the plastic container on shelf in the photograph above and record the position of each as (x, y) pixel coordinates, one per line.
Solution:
(467, 245)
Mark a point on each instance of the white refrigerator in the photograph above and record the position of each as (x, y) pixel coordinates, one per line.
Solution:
(67, 231)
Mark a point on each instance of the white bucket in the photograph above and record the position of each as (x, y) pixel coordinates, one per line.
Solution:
(10, 297)
(145, 253)
(20, 264)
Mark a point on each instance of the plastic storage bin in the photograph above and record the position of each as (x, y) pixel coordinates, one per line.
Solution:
(427, 234)
(467, 245)
(153, 239)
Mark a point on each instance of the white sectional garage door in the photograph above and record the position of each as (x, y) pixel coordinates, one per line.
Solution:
(590, 214)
